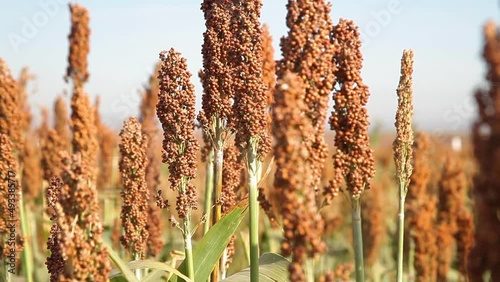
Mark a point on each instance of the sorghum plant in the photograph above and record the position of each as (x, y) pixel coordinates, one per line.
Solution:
(10, 113)
(486, 132)
(403, 146)
(353, 160)
(176, 112)
(250, 104)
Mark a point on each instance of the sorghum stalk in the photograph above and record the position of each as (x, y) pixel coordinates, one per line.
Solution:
(403, 146)
(353, 160)
(176, 112)
(209, 188)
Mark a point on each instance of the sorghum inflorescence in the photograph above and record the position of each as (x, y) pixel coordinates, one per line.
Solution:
(404, 134)
(84, 129)
(250, 98)
(486, 135)
(308, 52)
(77, 215)
(302, 224)
(79, 45)
(10, 113)
(353, 160)
(421, 212)
(176, 112)
(135, 193)
(217, 75)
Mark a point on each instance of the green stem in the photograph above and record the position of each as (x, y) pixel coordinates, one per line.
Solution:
(254, 212)
(188, 247)
(358, 240)
(138, 272)
(209, 187)
(401, 234)
(27, 254)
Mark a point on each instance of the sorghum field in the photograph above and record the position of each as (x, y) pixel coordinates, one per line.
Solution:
(268, 182)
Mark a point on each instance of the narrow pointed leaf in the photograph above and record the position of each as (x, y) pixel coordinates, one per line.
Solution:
(209, 249)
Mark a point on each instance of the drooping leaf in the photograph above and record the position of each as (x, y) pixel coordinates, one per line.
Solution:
(272, 268)
(122, 266)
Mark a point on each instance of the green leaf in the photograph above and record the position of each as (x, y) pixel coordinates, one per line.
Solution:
(122, 266)
(272, 268)
(209, 249)
(150, 264)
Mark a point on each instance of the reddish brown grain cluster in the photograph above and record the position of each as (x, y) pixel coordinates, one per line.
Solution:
(84, 129)
(308, 52)
(421, 211)
(452, 189)
(302, 223)
(218, 64)
(79, 45)
(79, 229)
(107, 141)
(176, 112)
(353, 159)
(486, 135)
(250, 98)
(10, 113)
(52, 154)
(135, 193)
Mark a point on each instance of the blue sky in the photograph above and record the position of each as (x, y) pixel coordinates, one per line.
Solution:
(127, 36)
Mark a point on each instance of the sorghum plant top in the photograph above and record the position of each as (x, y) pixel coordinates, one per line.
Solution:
(404, 133)
(135, 193)
(302, 224)
(216, 76)
(176, 112)
(308, 51)
(79, 45)
(353, 159)
(10, 114)
(250, 100)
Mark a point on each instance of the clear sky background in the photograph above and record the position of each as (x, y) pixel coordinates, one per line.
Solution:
(127, 36)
